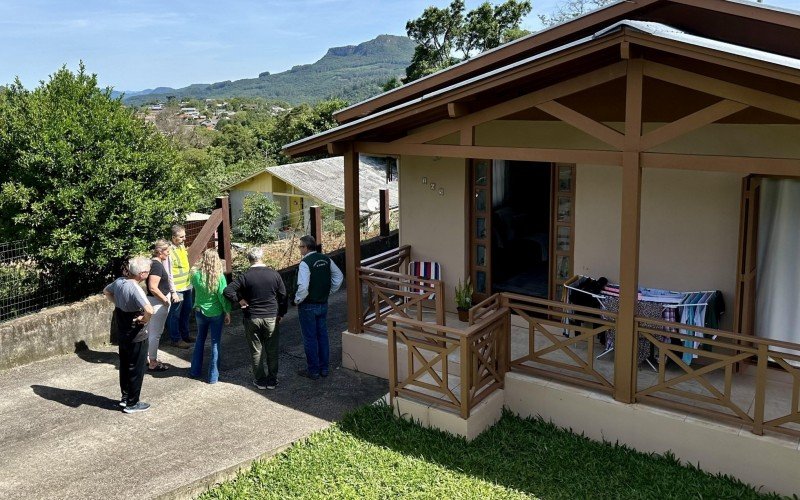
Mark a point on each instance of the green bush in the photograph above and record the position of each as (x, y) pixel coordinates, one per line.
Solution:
(18, 279)
(330, 224)
(82, 179)
(258, 215)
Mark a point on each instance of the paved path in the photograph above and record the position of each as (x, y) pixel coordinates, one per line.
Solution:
(62, 434)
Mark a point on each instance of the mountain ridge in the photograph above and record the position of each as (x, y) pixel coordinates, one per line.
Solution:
(351, 72)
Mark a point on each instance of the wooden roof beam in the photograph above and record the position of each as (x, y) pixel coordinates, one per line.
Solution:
(457, 110)
(727, 90)
(527, 101)
(594, 157)
(690, 122)
(583, 123)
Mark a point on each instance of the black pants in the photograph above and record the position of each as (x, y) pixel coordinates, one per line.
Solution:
(132, 356)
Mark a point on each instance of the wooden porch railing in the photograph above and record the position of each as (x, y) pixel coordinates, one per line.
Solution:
(400, 294)
(395, 260)
(560, 340)
(702, 378)
(480, 352)
(389, 290)
(219, 224)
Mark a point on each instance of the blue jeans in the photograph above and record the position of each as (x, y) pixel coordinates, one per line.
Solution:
(314, 325)
(178, 318)
(204, 324)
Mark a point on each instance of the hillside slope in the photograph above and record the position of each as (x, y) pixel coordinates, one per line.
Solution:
(353, 73)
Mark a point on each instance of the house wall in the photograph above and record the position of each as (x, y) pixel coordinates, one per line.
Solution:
(690, 220)
(689, 228)
(434, 225)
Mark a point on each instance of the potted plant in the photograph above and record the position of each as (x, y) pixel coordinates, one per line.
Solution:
(463, 299)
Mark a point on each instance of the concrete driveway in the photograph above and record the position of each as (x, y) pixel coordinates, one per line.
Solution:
(62, 434)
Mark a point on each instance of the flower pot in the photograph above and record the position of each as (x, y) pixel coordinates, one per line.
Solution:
(463, 314)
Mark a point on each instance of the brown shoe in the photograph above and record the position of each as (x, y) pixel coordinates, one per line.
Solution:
(181, 344)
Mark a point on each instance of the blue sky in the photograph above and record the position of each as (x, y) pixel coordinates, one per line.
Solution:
(133, 45)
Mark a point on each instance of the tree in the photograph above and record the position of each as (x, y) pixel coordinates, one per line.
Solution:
(441, 32)
(570, 9)
(258, 215)
(82, 179)
(298, 123)
(391, 84)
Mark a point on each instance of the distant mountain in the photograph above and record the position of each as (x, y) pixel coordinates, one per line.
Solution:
(354, 73)
(134, 93)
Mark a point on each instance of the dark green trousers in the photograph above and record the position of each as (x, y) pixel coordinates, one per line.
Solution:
(262, 337)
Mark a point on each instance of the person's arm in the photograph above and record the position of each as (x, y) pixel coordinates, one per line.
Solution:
(283, 299)
(152, 285)
(336, 277)
(147, 309)
(173, 292)
(303, 280)
(226, 305)
(108, 293)
(231, 292)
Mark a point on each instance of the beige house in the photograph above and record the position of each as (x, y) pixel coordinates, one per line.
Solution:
(653, 143)
(298, 186)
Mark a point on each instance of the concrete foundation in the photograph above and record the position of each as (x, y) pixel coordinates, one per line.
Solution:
(56, 331)
(483, 416)
(771, 462)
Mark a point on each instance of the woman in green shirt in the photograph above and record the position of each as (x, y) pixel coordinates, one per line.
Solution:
(212, 308)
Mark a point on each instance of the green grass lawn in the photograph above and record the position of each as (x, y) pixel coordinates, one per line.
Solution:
(373, 454)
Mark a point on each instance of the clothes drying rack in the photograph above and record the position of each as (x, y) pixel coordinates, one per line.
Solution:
(602, 297)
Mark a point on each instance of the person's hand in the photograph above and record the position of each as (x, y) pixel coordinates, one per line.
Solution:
(243, 303)
(140, 320)
(227, 318)
(278, 319)
(165, 301)
(176, 298)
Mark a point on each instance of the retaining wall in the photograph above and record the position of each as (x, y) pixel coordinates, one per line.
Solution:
(72, 327)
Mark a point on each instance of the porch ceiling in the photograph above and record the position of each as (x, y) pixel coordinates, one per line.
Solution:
(663, 102)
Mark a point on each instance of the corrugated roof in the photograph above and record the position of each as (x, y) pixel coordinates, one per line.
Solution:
(324, 180)
(670, 33)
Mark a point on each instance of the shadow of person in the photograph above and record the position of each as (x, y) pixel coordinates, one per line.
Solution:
(85, 353)
(74, 399)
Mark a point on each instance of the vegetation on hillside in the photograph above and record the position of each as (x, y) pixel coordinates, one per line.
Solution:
(352, 73)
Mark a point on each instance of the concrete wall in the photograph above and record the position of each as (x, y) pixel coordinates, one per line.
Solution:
(434, 225)
(56, 331)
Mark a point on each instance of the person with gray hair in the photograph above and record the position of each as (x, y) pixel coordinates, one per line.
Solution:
(133, 312)
(261, 294)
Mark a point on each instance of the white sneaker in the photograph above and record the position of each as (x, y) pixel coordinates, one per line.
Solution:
(137, 408)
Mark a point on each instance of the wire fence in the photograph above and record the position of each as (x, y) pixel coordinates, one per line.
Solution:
(24, 287)
(285, 252)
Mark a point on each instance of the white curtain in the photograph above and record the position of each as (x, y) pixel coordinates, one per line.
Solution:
(778, 275)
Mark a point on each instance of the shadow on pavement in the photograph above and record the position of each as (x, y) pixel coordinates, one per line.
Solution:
(73, 398)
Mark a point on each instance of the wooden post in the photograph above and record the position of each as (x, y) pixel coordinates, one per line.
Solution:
(384, 197)
(761, 389)
(352, 237)
(625, 365)
(224, 233)
(315, 217)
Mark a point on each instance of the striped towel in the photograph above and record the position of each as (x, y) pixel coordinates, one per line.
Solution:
(425, 269)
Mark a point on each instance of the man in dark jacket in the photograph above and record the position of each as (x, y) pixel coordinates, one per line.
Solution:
(317, 278)
(261, 294)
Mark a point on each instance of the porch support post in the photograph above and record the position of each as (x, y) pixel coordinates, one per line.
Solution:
(625, 343)
(352, 237)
